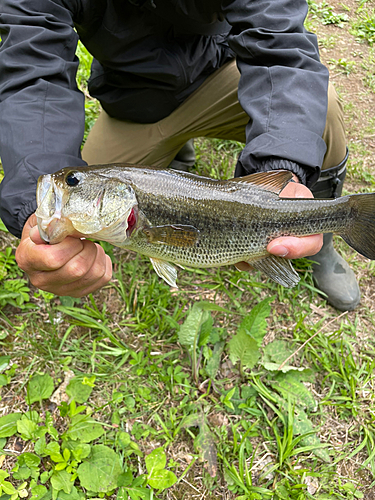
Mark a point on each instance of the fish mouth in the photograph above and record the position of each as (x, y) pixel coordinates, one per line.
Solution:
(53, 226)
(55, 222)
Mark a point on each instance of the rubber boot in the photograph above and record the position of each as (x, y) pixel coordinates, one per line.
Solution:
(185, 158)
(331, 273)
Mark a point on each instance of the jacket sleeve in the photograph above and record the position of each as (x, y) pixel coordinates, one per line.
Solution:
(41, 109)
(283, 85)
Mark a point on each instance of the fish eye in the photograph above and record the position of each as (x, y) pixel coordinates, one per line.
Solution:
(72, 179)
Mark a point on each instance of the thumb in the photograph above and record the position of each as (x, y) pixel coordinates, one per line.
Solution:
(30, 230)
(35, 237)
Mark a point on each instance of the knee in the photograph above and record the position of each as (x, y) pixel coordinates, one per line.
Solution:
(334, 133)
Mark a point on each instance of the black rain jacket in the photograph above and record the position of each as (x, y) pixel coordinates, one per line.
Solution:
(149, 56)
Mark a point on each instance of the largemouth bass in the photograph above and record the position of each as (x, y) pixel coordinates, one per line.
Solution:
(181, 218)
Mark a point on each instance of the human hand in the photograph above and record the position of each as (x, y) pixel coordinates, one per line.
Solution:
(73, 267)
(292, 247)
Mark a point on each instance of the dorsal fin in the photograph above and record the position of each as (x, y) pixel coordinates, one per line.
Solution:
(273, 181)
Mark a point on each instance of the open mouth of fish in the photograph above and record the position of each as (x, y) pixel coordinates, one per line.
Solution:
(54, 225)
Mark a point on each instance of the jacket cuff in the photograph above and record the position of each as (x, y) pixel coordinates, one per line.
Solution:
(248, 164)
(281, 164)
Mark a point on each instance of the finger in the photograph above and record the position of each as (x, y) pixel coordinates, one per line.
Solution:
(33, 257)
(82, 269)
(295, 190)
(294, 248)
(31, 222)
(96, 285)
(35, 237)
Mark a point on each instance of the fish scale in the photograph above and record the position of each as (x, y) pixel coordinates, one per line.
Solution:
(181, 218)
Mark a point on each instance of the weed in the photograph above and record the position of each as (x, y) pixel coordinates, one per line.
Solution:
(364, 29)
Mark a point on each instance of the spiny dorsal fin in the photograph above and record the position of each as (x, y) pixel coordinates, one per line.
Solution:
(273, 181)
(177, 235)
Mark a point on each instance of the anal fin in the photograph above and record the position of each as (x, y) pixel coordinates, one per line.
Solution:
(165, 270)
(278, 269)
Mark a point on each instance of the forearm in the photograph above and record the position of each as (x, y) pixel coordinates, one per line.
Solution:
(42, 111)
(283, 85)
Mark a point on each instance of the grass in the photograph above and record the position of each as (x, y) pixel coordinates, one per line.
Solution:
(229, 387)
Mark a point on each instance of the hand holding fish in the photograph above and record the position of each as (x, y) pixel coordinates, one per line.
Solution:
(73, 267)
(292, 247)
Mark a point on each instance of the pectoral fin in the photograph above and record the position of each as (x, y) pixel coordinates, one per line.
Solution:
(174, 235)
(278, 269)
(165, 270)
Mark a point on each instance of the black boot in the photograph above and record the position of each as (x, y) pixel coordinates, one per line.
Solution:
(332, 275)
(185, 158)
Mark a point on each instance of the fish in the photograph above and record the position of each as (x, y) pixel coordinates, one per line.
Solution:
(183, 219)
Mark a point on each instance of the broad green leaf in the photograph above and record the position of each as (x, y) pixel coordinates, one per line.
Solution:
(302, 425)
(8, 488)
(78, 449)
(191, 327)
(23, 473)
(62, 480)
(27, 428)
(282, 492)
(125, 479)
(204, 441)
(137, 493)
(289, 386)
(122, 494)
(158, 476)
(255, 322)
(38, 491)
(53, 449)
(157, 459)
(245, 348)
(197, 315)
(84, 428)
(45, 476)
(206, 444)
(39, 387)
(73, 495)
(4, 362)
(213, 363)
(206, 330)
(101, 470)
(8, 424)
(3, 474)
(40, 447)
(277, 351)
(123, 439)
(78, 391)
(31, 460)
(161, 479)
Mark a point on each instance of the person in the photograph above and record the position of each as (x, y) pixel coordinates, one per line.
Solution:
(164, 71)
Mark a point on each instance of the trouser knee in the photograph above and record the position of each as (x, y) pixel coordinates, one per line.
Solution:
(334, 132)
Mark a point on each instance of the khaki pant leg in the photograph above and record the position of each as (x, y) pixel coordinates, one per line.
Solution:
(334, 133)
(212, 110)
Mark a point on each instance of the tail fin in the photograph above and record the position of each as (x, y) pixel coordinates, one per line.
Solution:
(360, 233)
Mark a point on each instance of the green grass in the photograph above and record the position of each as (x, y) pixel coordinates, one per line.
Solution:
(229, 387)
